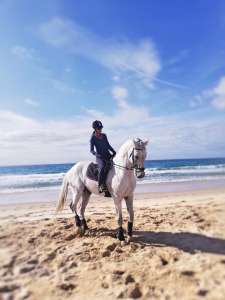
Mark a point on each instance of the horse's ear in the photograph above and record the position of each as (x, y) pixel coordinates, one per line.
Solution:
(136, 141)
(145, 142)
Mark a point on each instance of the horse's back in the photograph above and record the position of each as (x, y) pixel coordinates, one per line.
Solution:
(78, 171)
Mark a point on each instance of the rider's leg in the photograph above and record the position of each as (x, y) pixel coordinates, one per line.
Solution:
(106, 171)
(101, 165)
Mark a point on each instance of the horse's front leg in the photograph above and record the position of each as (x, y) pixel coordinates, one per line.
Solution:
(118, 207)
(130, 209)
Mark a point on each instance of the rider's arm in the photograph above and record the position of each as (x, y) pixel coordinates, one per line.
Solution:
(109, 146)
(92, 150)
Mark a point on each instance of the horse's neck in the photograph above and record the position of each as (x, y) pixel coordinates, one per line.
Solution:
(122, 161)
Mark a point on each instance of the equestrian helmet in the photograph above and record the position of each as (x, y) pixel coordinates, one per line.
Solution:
(97, 125)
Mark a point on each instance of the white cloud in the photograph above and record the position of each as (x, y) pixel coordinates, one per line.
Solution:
(31, 102)
(119, 92)
(62, 86)
(196, 101)
(214, 96)
(22, 52)
(116, 78)
(218, 98)
(25, 140)
(178, 58)
(140, 58)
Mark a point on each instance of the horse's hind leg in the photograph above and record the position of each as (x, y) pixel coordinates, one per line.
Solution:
(76, 197)
(85, 199)
(130, 209)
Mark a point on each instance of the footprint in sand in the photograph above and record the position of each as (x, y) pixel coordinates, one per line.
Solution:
(55, 234)
(85, 257)
(67, 226)
(200, 220)
(111, 247)
(62, 221)
(7, 288)
(44, 272)
(90, 244)
(33, 261)
(106, 253)
(202, 292)
(67, 286)
(70, 237)
(135, 292)
(164, 261)
(50, 256)
(129, 279)
(158, 222)
(26, 268)
(188, 273)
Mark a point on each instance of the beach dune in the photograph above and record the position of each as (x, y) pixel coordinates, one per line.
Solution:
(177, 252)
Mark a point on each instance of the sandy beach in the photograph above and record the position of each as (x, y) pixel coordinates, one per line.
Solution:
(177, 252)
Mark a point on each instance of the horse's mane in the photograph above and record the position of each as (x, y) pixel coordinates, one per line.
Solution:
(125, 147)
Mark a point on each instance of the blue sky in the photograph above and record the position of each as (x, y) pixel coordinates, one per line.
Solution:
(153, 69)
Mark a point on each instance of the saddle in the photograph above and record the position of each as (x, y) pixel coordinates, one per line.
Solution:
(93, 173)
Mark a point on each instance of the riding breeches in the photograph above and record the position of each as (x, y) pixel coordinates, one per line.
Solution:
(102, 171)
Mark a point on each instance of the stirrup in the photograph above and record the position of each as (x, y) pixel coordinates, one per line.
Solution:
(107, 194)
(102, 188)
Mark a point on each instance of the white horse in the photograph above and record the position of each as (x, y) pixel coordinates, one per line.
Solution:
(120, 182)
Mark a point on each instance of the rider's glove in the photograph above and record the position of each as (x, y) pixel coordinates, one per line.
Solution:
(113, 155)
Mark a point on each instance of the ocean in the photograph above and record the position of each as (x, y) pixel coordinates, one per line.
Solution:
(17, 179)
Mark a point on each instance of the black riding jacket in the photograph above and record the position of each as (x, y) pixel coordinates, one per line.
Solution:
(100, 147)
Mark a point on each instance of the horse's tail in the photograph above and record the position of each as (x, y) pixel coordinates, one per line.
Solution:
(63, 194)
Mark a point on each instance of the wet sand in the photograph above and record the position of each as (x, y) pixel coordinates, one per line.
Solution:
(177, 252)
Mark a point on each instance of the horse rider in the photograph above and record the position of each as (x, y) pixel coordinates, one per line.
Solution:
(103, 151)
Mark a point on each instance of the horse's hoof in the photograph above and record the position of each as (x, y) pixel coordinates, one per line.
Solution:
(120, 235)
(78, 221)
(84, 224)
(80, 231)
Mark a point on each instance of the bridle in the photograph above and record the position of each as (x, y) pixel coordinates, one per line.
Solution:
(134, 166)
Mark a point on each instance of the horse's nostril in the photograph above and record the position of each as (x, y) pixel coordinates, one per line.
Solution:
(141, 175)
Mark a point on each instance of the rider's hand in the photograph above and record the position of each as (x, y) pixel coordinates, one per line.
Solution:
(113, 155)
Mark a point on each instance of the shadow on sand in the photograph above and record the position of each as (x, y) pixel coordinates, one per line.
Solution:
(186, 241)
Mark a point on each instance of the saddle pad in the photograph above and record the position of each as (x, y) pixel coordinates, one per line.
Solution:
(92, 171)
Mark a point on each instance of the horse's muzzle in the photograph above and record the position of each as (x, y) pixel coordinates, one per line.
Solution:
(140, 173)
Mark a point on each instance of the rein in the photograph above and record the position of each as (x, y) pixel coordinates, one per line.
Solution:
(122, 167)
(133, 167)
